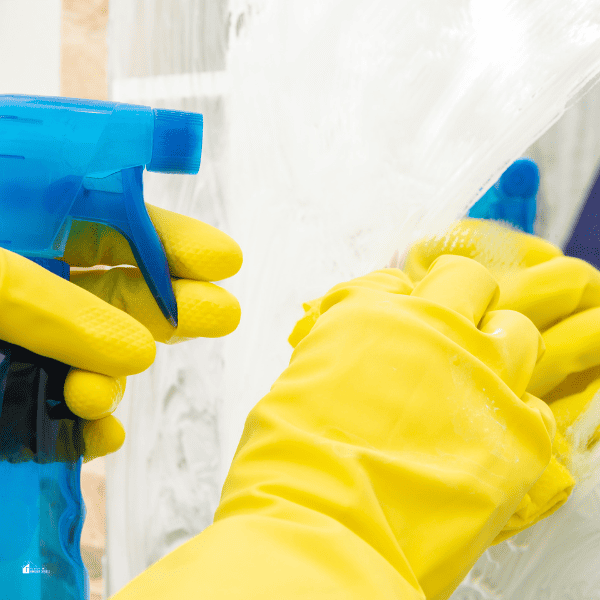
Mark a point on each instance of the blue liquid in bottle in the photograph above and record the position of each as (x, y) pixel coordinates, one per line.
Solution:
(41, 507)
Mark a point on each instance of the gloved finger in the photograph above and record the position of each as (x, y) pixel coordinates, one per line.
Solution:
(459, 284)
(205, 309)
(102, 437)
(551, 291)
(52, 317)
(389, 280)
(392, 281)
(195, 250)
(518, 346)
(93, 395)
(496, 247)
(573, 345)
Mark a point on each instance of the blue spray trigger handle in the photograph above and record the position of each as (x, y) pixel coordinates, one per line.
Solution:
(115, 201)
(65, 159)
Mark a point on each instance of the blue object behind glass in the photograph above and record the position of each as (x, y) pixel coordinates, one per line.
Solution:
(513, 198)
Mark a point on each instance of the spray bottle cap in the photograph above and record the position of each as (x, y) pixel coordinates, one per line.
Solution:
(176, 143)
(65, 159)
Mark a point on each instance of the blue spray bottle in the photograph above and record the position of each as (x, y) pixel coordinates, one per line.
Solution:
(61, 160)
(512, 199)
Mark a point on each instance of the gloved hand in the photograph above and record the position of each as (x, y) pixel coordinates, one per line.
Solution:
(561, 295)
(385, 459)
(106, 325)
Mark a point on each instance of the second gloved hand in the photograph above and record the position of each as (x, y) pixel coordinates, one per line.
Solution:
(385, 459)
(105, 326)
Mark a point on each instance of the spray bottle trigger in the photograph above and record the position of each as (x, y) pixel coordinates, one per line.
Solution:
(118, 201)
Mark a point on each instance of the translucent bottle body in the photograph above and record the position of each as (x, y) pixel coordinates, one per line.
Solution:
(41, 507)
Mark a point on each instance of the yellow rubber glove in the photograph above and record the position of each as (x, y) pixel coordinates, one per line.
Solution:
(561, 295)
(385, 459)
(106, 325)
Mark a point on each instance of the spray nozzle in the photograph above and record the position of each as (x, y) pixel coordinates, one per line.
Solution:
(176, 143)
(65, 159)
